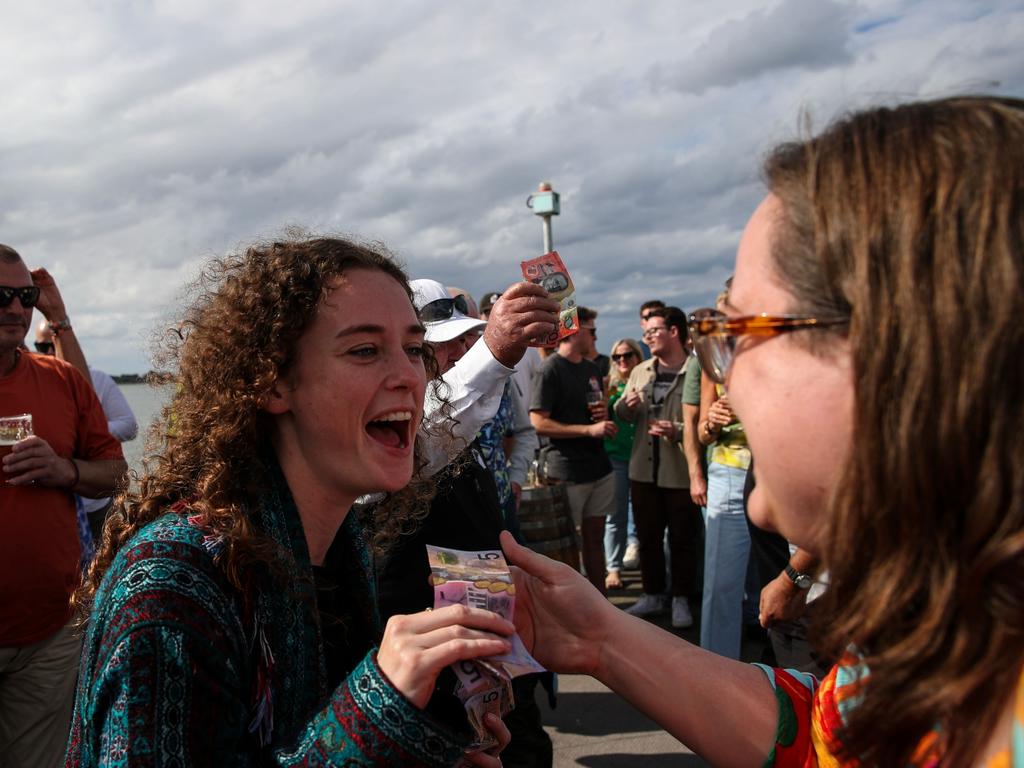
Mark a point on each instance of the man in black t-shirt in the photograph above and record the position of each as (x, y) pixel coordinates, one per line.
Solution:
(569, 409)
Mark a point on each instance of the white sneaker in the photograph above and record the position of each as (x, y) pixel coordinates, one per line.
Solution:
(632, 559)
(681, 616)
(648, 605)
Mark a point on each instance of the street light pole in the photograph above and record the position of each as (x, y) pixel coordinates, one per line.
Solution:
(545, 202)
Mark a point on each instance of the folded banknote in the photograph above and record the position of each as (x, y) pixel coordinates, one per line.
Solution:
(481, 580)
(550, 273)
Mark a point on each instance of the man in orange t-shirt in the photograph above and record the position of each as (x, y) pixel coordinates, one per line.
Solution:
(70, 452)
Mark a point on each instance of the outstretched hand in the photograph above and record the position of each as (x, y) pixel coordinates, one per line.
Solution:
(558, 612)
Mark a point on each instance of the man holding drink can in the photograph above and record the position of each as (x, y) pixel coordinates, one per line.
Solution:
(58, 446)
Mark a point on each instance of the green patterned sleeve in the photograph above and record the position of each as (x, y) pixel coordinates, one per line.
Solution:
(166, 698)
(161, 698)
(369, 723)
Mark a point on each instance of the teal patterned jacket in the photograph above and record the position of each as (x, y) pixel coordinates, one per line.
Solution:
(181, 669)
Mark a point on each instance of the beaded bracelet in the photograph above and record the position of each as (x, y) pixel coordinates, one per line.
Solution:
(60, 325)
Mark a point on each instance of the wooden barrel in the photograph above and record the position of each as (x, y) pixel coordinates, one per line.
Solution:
(546, 523)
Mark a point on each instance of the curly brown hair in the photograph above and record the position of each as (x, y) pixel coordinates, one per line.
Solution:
(910, 220)
(237, 337)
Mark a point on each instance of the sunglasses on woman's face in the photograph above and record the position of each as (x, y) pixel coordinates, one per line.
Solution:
(28, 296)
(623, 356)
(443, 309)
(45, 347)
(714, 335)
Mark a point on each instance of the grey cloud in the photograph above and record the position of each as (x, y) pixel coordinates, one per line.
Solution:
(796, 34)
(160, 140)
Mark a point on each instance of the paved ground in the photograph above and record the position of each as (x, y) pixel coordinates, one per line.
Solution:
(594, 727)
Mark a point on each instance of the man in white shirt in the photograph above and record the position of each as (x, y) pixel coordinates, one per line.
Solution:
(509, 455)
(528, 366)
(476, 381)
(122, 425)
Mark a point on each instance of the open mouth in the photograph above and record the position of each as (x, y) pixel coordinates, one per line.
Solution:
(393, 430)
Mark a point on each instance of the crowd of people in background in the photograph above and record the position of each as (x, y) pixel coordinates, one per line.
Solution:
(611, 430)
(261, 594)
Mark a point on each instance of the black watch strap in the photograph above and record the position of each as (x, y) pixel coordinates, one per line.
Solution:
(802, 580)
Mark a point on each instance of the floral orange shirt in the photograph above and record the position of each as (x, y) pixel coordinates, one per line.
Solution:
(811, 713)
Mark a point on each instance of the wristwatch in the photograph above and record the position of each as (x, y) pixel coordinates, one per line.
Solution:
(802, 580)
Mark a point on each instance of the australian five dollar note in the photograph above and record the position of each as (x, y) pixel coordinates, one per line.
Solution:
(481, 580)
(550, 273)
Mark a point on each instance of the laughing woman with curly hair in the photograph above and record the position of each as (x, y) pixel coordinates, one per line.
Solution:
(233, 617)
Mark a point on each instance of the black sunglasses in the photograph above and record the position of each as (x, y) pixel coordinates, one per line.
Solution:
(443, 309)
(45, 347)
(28, 295)
(623, 356)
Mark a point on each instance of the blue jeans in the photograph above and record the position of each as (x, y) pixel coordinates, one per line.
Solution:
(726, 554)
(615, 524)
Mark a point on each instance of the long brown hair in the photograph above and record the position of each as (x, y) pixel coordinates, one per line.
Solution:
(910, 220)
(237, 337)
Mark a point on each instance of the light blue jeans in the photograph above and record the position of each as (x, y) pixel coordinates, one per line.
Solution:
(726, 554)
(615, 525)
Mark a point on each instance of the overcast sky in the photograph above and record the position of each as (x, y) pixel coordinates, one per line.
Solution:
(139, 138)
